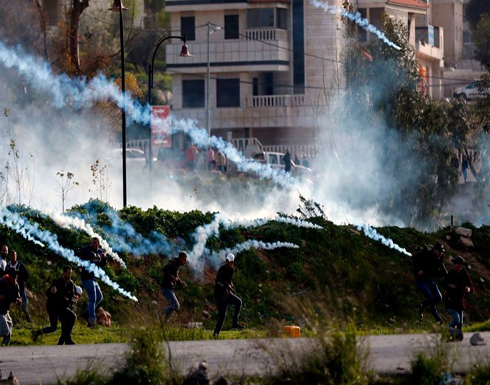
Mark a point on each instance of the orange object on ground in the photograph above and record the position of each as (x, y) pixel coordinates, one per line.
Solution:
(292, 331)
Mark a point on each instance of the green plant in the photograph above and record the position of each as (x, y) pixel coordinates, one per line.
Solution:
(335, 359)
(145, 362)
(479, 375)
(65, 186)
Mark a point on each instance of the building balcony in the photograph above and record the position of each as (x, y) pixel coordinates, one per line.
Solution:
(249, 53)
(278, 101)
(287, 111)
(429, 43)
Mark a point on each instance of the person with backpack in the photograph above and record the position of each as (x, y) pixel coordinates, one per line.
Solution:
(428, 265)
(457, 284)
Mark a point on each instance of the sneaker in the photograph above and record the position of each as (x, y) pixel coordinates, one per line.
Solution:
(91, 325)
(36, 334)
(238, 327)
(70, 342)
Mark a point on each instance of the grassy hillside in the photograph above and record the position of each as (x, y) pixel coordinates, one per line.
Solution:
(337, 271)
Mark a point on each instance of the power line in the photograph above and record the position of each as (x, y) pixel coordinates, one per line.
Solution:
(275, 46)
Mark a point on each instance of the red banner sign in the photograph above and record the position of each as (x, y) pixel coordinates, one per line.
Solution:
(160, 127)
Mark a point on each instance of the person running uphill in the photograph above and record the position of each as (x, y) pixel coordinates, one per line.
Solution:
(427, 266)
(62, 295)
(14, 265)
(457, 283)
(171, 281)
(223, 294)
(97, 256)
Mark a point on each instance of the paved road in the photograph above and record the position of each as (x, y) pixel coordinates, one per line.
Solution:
(387, 354)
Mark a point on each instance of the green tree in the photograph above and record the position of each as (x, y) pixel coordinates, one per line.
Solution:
(475, 9)
(477, 13)
(481, 38)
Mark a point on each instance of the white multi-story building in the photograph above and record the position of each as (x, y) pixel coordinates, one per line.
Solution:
(272, 65)
(427, 39)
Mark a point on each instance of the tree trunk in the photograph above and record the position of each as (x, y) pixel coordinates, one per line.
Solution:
(44, 28)
(74, 26)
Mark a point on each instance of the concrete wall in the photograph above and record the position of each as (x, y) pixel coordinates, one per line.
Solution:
(449, 15)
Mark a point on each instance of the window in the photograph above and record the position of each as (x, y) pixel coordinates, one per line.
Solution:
(273, 159)
(188, 27)
(231, 27)
(228, 92)
(253, 18)
(269, 83)
(267, 18)
(281, 17)
(192, 93)
(255, 86)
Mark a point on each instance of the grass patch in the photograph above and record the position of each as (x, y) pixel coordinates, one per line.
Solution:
(145, 363)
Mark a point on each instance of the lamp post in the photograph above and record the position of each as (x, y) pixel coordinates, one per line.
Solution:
(117, 6)
(210, 32)
(183, 53)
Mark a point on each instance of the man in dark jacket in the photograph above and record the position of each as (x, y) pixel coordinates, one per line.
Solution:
(223, 294)
(427, 266)
(96, 256)
(171, 281)
(457, 283)
(62, 295)
(22, 276)
(9, 293)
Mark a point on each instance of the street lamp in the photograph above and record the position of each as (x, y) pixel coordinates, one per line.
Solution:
(118, 6)
(183, 53)
(210, 31)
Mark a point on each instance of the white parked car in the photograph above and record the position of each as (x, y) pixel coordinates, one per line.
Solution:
(276, 160)
(133, 156)
(471, 91)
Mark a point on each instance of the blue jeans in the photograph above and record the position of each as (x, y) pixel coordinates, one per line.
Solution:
(457, 321)
(172, 302)
(94, 298)
(433, 296)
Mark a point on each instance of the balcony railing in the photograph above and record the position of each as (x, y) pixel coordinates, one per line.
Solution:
(303, 150)
(265, 34)
(278, 101)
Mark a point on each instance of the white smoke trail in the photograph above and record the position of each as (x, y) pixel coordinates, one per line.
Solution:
(356, 18)
(20, 225)
(203, 233)
(121, 232)
(80, 93)
(79, 223)
(25, 227)
(250, 244)
(288, 221)
(373, 234)
(199, 136)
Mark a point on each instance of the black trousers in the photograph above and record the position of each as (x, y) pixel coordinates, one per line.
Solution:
(222, 304)
(67, 318)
